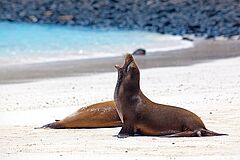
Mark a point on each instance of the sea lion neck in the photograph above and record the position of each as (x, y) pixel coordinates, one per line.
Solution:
(119, 81)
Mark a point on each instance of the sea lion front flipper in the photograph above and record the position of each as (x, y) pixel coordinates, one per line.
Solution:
(126, 131)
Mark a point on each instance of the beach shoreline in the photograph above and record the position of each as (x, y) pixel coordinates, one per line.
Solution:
(203, 50)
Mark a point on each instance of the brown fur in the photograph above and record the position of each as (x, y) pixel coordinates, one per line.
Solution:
(144, 117)
(99, 115)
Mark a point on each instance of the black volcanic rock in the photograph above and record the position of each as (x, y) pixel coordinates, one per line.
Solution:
(208, 18)
(139, 52)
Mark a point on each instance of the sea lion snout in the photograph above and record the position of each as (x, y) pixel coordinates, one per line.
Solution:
(127, 60)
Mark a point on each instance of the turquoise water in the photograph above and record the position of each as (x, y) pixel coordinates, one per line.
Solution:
(24, 43)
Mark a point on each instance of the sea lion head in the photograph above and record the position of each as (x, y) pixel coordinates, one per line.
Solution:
(128, 73)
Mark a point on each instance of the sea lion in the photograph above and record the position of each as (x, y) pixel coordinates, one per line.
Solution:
(99, 115)
(141, 116)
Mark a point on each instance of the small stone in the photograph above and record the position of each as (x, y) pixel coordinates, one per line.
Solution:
(33, 18)
(65, 18)
(139, 51)
(48, 13)
(187, 39)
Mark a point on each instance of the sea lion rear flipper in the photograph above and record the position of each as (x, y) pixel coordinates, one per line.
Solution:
(196, 133)
(186, 134)
(126, 131)
(53, 125)
(206, 132)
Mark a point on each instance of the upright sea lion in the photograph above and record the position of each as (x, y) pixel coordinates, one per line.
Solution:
(99, 115)
(140, 115)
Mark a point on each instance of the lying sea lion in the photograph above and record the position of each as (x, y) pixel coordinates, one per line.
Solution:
(141, 116)
(99, 115)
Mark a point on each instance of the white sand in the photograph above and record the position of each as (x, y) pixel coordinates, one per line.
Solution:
(211, 90)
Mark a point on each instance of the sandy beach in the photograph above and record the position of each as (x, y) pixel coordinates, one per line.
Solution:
(204, 79)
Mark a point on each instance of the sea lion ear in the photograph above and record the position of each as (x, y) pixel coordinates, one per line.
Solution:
(117, 67)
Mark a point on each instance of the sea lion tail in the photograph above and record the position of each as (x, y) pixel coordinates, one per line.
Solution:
(206, 132)
(54, 125)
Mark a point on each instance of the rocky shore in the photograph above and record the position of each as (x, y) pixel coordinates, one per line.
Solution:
(204, 18)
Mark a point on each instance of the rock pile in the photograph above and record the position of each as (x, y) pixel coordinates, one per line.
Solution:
(207, 18)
